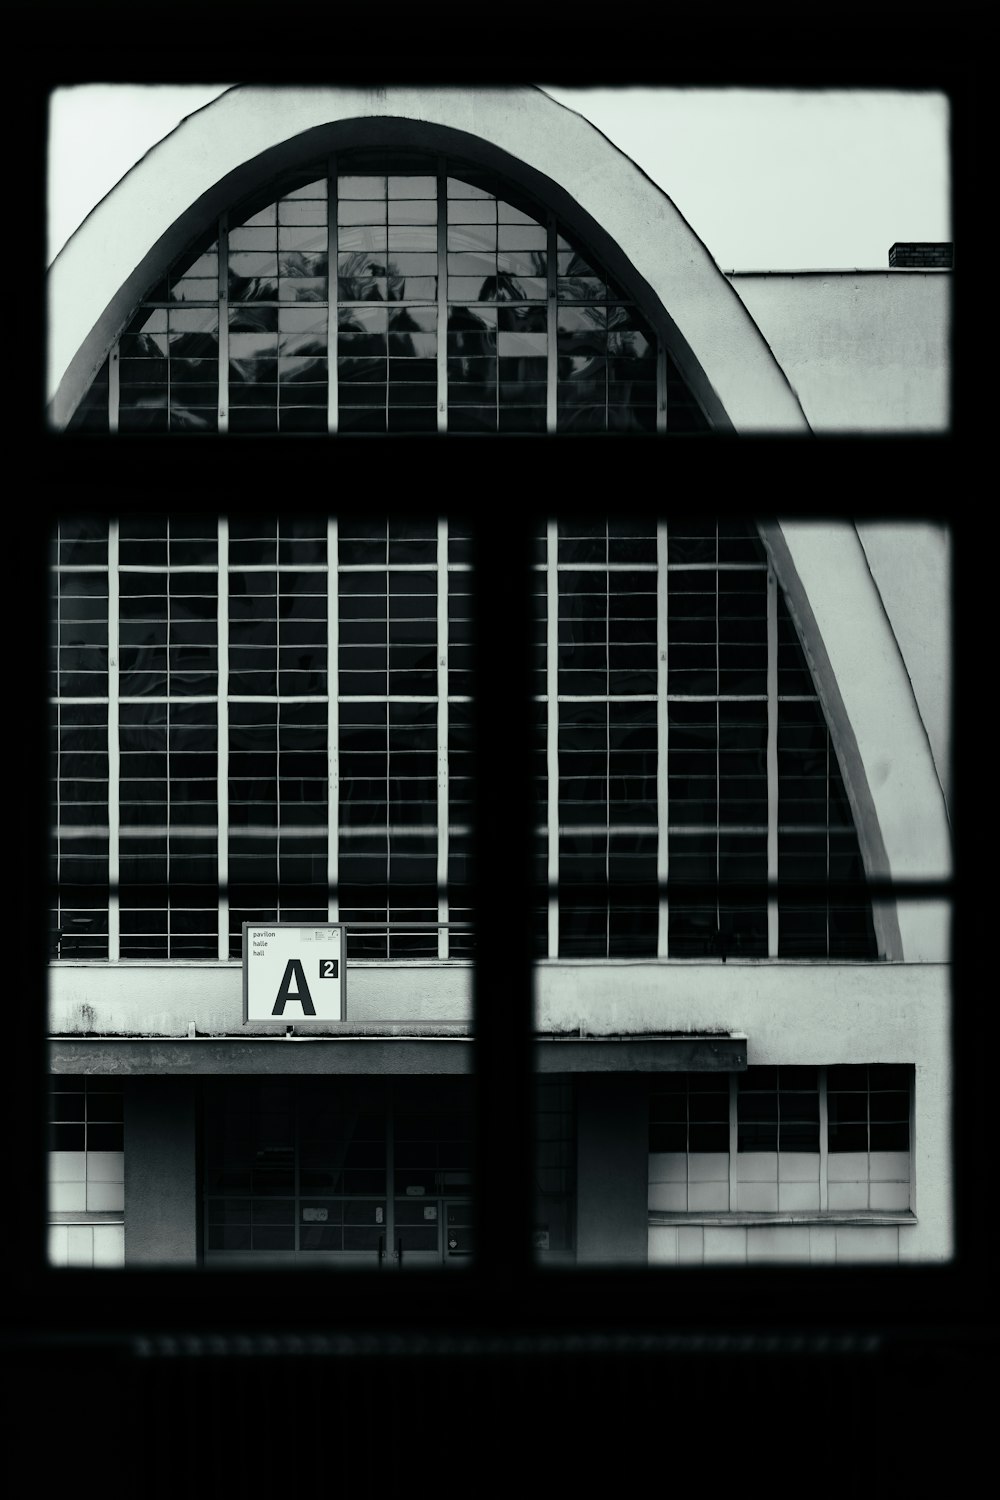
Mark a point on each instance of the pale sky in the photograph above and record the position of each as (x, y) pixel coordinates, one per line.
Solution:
(825, 179)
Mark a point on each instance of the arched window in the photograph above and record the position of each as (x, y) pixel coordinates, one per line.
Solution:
(384, 291)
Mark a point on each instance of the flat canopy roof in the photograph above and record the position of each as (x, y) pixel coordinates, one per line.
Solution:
(206, 1056)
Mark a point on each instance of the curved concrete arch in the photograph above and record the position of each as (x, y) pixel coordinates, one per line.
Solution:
(878, 732)
(215, 155)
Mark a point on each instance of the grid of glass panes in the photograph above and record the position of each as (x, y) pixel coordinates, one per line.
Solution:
(689, 1139)
(444, 281)
(80, 873)
(555, 1163)
(778, 1139)
(277, 722)
(388, 684)
(167, 588)
(78, 683)
(168, 849)
(607, 633)
(787, 1121)
(278, 311)
(607, 351)
(295, 1165)
(714, 811)
(85, 1114)
(717, 713)
(168, 361)
(868, 1107)
(498, 341)
(86, 1145)
(459, 747)
(817, 840)
(387, 253)
(612, 806)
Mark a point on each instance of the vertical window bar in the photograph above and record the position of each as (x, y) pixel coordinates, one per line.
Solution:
(824, 1143)
(223, 338)
(114, 761)
(911, 1138)
(442, 338)
(718, 759)
(772, 762)
(222, 769)
(661, 385)
(390, 1176)
(332, 399)
(114, 387)
(662, 720)
(442, 719)
(332, 711)
(826, 841)
(734, 1141)
(552, 726)
(552, 325)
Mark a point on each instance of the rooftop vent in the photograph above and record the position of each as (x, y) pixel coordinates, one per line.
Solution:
(933, 257)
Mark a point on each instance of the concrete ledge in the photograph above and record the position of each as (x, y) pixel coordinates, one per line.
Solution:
(383, 1055)
(666, 1054)
(110, 1056)
(741, 1220)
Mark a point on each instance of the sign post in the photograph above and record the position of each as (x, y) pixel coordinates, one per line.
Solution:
(294, 974)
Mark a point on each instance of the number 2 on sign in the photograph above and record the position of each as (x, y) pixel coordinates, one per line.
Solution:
(328, 968)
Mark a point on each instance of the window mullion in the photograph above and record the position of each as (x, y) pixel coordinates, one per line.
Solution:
(114, 755)
(222, 768)
(442, 735)
(223, 323)
(772, 762)
(332, 377)
(661, 386)
(824, 1143)
(551, 325)
(442, 304)
(552, 729)
(734, 1142)
(662, 741)
(332, 717)
(114, 386)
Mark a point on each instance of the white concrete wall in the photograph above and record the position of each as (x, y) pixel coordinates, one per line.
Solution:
(869, 698)
(793, 1244)
(864, 351)
(136, 999)
(911, 565)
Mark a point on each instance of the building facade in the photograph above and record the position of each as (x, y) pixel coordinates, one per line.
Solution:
(262, 716)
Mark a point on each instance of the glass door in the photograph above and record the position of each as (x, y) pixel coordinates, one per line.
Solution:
(366, 1172)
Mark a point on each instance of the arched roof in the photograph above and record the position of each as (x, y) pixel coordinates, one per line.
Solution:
(872, 711)
(249, 133)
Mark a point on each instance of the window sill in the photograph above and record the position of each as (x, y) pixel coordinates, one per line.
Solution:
(828, 1216)
(87, 1216)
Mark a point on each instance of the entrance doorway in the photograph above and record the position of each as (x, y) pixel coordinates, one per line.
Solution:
(369, 1172)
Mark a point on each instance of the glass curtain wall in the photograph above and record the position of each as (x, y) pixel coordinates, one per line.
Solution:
(284, 734)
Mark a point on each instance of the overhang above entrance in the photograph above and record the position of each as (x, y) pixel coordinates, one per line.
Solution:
(118, 1056)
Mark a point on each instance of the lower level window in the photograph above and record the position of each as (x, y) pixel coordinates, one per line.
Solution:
(782, 1140)
(86, 1172)
(366, 1171)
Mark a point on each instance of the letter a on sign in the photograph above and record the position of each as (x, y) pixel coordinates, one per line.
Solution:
(294, 970)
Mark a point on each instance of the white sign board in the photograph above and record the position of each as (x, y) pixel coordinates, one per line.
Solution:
(293, 975)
